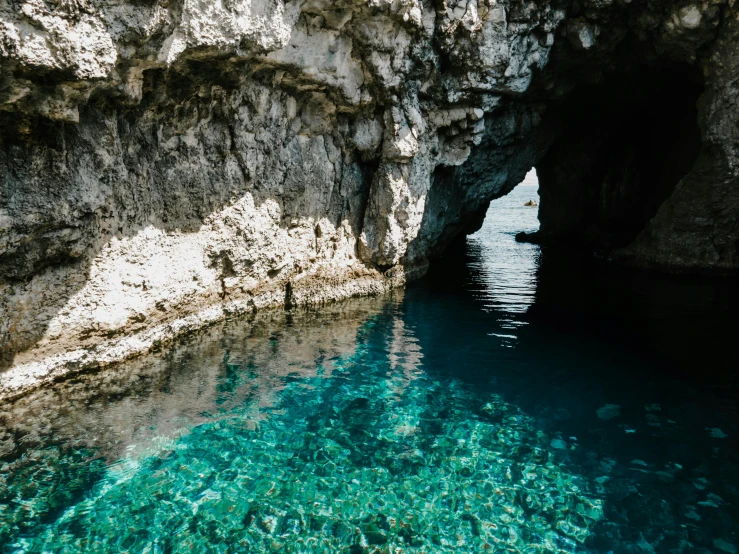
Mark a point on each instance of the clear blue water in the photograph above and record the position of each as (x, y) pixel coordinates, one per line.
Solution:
(513, 401)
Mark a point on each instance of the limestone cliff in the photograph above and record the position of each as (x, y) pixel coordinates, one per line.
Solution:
(167, 163)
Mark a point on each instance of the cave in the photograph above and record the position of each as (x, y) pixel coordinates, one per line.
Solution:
(268, 281)
(619, 149)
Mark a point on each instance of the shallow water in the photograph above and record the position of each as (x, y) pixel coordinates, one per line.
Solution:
(517, 401)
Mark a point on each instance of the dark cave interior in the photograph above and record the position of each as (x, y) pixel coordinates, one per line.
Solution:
(621, 147)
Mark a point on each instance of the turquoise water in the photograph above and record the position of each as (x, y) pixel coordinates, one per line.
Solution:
(515, 401)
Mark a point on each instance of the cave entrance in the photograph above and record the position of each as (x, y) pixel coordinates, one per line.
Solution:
(484, 257)
(502, 273)
(620, 148)
(514, 213)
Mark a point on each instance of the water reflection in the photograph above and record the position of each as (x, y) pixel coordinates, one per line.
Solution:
(507, 268)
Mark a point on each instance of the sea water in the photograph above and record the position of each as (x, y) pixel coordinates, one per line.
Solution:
(513, 401)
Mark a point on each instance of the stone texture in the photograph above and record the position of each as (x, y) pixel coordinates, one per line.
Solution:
(166, 164)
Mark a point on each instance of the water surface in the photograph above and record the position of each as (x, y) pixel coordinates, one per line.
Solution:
(513, 401)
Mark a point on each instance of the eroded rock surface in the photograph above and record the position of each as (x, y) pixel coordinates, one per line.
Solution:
(167, 163)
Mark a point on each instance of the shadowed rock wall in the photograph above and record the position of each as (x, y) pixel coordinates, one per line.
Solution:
(621, 148)
(168, 163)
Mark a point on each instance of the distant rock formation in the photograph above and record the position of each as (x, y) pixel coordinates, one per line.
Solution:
(165, 164)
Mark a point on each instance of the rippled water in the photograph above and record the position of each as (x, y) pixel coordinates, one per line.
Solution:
(514, 401)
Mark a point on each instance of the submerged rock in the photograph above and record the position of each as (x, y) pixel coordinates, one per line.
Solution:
(716, 433)
(609, 411)
(725, 546)
(166, 165)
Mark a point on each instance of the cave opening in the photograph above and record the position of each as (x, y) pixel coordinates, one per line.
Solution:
(619, 149)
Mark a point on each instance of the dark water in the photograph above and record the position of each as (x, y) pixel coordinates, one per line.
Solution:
(513, 401)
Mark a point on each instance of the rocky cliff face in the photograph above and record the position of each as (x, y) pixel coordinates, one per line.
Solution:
(167, 163)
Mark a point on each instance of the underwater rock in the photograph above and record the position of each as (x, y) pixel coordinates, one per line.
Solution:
(609, 411)
(725, 546)
(716, 433)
